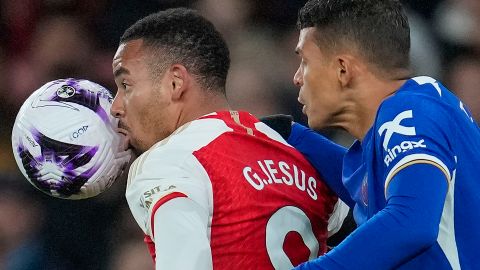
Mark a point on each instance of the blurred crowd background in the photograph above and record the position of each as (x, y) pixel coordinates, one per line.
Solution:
(43, 40)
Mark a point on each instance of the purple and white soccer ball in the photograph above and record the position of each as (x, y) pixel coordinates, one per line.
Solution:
(65, 141)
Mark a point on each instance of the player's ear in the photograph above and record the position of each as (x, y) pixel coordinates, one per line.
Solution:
(179, 80)
(344, 66)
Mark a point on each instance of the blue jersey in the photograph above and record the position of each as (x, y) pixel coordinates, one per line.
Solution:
(423, 148)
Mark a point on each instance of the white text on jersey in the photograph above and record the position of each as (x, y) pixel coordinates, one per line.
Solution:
(147, 199)
(280, 173)
(401, 148)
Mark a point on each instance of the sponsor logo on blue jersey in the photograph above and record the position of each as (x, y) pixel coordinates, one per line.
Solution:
(394, 127)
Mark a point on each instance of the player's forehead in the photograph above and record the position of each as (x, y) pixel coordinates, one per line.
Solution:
(306, 40)
(130, 53)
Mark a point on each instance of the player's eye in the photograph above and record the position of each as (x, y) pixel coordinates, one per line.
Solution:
(125, 85)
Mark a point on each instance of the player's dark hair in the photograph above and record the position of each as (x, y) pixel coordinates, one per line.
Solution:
(182, 36)
(377, 29)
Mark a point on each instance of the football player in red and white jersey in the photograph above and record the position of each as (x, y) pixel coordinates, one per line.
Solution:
(211, 188)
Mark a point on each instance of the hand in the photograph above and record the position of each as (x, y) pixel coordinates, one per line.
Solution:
(281, 123)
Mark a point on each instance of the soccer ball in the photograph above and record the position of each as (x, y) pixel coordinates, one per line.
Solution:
(65, 141)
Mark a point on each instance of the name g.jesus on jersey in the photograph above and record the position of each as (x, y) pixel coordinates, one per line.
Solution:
(280, 172)
(394, 127)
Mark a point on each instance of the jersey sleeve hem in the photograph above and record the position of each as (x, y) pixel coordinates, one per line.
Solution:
(161, 202)
(415, 159)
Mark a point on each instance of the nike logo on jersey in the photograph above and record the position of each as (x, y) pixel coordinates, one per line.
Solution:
(466, 112)
(394, 126)
(421, 80)
(427, 80)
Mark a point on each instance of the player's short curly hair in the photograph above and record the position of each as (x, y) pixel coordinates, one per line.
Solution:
(182, 36)
(377, 29)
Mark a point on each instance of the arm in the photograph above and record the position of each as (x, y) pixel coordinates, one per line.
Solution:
(165, 195)
(180, 235)
(325, 155)
(406, 226)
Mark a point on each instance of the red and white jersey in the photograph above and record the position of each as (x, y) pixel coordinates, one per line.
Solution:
(227, 192)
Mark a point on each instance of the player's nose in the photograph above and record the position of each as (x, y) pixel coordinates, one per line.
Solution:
(117, 110)
(298, 77)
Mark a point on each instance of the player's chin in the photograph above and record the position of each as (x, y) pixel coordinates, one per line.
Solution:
(310, 122)
(135, 152)
(136, 147)
(315, 122)
(310, 118)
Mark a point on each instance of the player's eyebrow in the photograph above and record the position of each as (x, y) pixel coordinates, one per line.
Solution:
(119, 71)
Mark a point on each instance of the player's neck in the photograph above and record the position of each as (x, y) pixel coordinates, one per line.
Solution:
(365, 104)
(201, 105)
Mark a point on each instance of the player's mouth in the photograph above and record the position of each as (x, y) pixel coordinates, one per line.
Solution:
(125, 143)
(123, 131)
(304, 107)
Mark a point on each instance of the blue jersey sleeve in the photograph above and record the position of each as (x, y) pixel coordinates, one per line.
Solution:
(414, 129)
(406, 226)
(325, 155)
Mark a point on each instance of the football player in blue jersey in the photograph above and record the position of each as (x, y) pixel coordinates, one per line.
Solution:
(412, 175)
